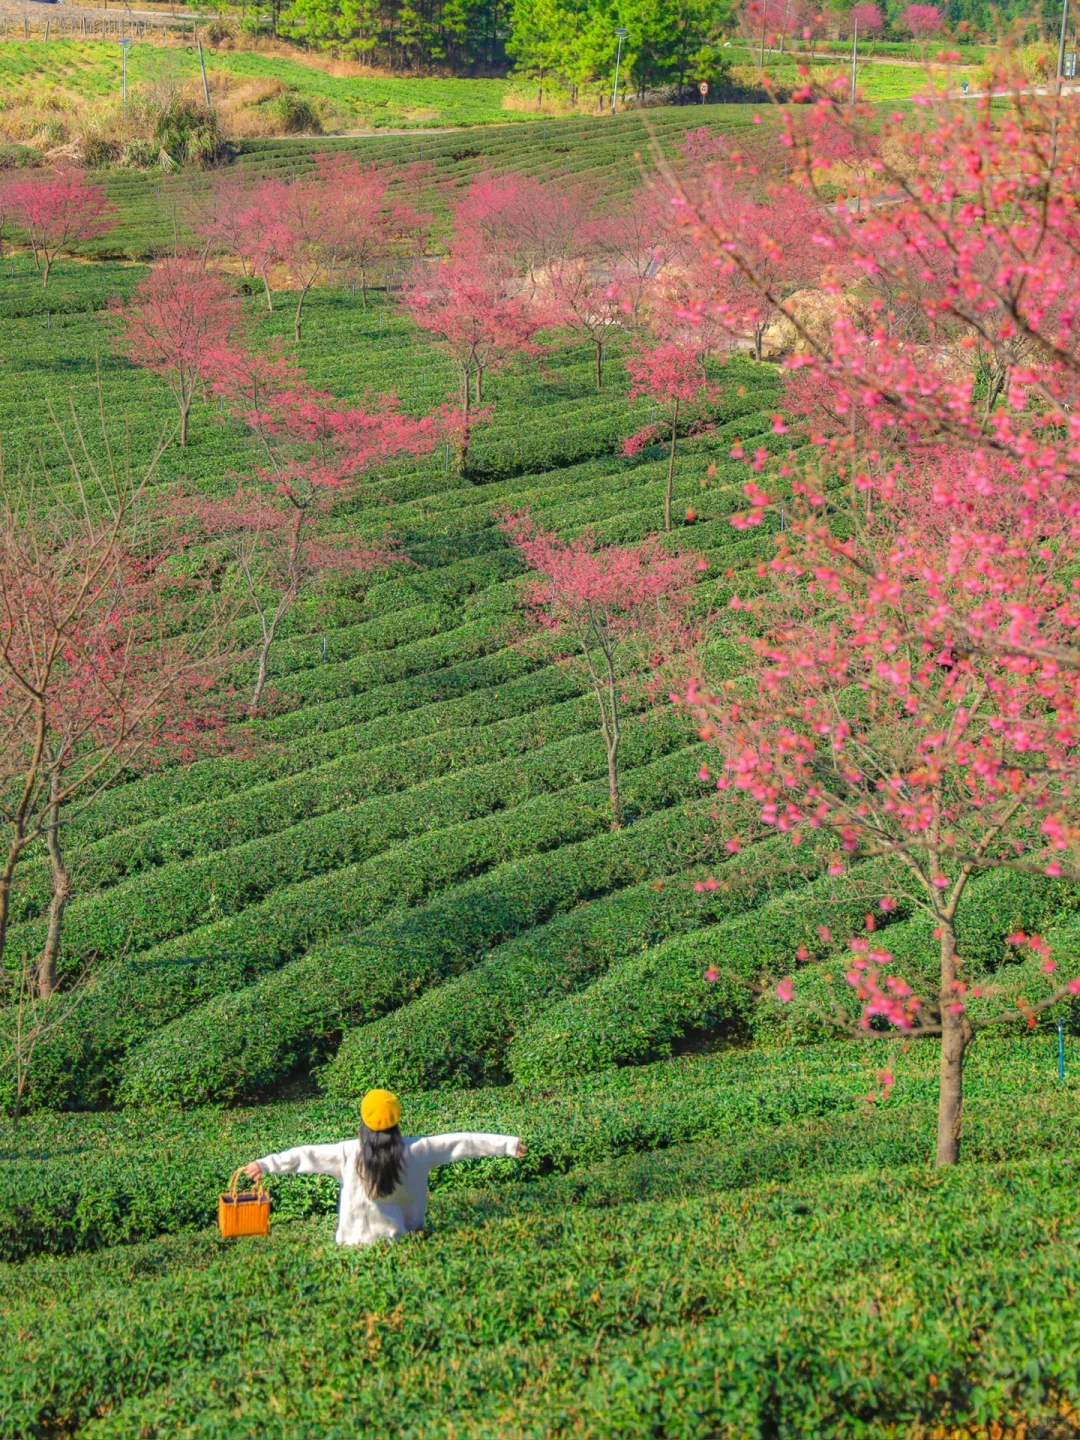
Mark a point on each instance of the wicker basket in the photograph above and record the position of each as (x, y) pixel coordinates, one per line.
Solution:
(244, 1214)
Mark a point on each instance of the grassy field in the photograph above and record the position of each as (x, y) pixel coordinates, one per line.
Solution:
(66, 72)
(410, 880)
(879, 82)
(92, 69)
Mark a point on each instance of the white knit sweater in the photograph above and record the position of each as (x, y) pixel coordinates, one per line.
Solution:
(361, 1219)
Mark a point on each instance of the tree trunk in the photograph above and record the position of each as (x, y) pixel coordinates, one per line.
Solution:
(185, 411)
(759, 331)
(15, 849)
(599, 365)
(613, 782)
(299, 313)
(61, 894)
(46, 268)
(995, 384)
(260, 674)
(363, 287)
(479, 385)
(955, 1035)
(671, 469)
(269, 296)
(466, 405)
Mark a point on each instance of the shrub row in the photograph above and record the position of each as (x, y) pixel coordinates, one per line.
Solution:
(496, 697)
(112, 1196)
(445, 584)
(79, 1060)
(994, 906)
(248, 1042)
(177, 898)
(232, 821)
(459, 1033)
(447, 683)
(652, 1295)
(351, 677)
(297, 652)
(640, 1008)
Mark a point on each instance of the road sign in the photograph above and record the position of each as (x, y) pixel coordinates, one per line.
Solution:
(704, 87)
(1069, 68)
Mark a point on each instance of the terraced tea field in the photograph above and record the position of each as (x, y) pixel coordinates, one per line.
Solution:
(406, 876)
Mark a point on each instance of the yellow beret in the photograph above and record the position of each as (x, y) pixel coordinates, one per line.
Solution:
(380, 1110)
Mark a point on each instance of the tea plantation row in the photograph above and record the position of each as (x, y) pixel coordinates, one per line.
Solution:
(738, 1280)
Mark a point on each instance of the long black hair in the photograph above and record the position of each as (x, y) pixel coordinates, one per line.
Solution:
(380, 1160)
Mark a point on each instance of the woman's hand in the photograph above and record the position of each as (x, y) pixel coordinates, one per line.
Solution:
(520, 1151)
(253, 1171)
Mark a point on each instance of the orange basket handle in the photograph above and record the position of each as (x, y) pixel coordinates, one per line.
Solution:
(258, 1188)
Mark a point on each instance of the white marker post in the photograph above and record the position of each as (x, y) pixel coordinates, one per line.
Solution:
(123, 80)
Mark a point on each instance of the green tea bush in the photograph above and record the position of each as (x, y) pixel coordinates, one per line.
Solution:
(459, 1033)
(296, 917)
(642, 1007)
(150, 797)
(181, 897)
(247, 1042)
(746, 1269)
(114, 1195)
(229, 823)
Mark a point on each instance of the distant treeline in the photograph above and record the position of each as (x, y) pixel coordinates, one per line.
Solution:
(570, 46)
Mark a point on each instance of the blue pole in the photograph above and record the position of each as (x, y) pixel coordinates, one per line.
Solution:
(1061, 1049)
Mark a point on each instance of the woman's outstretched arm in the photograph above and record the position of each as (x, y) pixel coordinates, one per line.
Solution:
(304, 1160)
(434, 1150)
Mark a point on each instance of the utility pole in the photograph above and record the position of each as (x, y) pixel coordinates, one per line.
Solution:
(854, 59)
(123, 75)
(1061, 44)
(202, 67)
(621, 33)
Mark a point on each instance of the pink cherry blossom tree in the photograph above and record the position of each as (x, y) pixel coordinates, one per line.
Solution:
(471, 307)
(638, 242)
(673, 377)
(776, 256)
(585, 297)
(180, 313)
(922, 20)
(916, 651)
(105, 659)
(527, 224)
(960, 754)
(57, 208)
(868, 17)
(308, 233)
(316, 450)
(260, 232)
(613, 603)
(369, 220)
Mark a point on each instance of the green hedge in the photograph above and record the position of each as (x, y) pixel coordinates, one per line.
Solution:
(331, 682)
(180, 897)
(113, 1196)
(248, 1042)
(459, 1033)
(296, 652)
(231, 822)
(694, 1290)
(77, 1064)
(446, 683)
(344, 731)
(446, 583)
(639, 1009)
